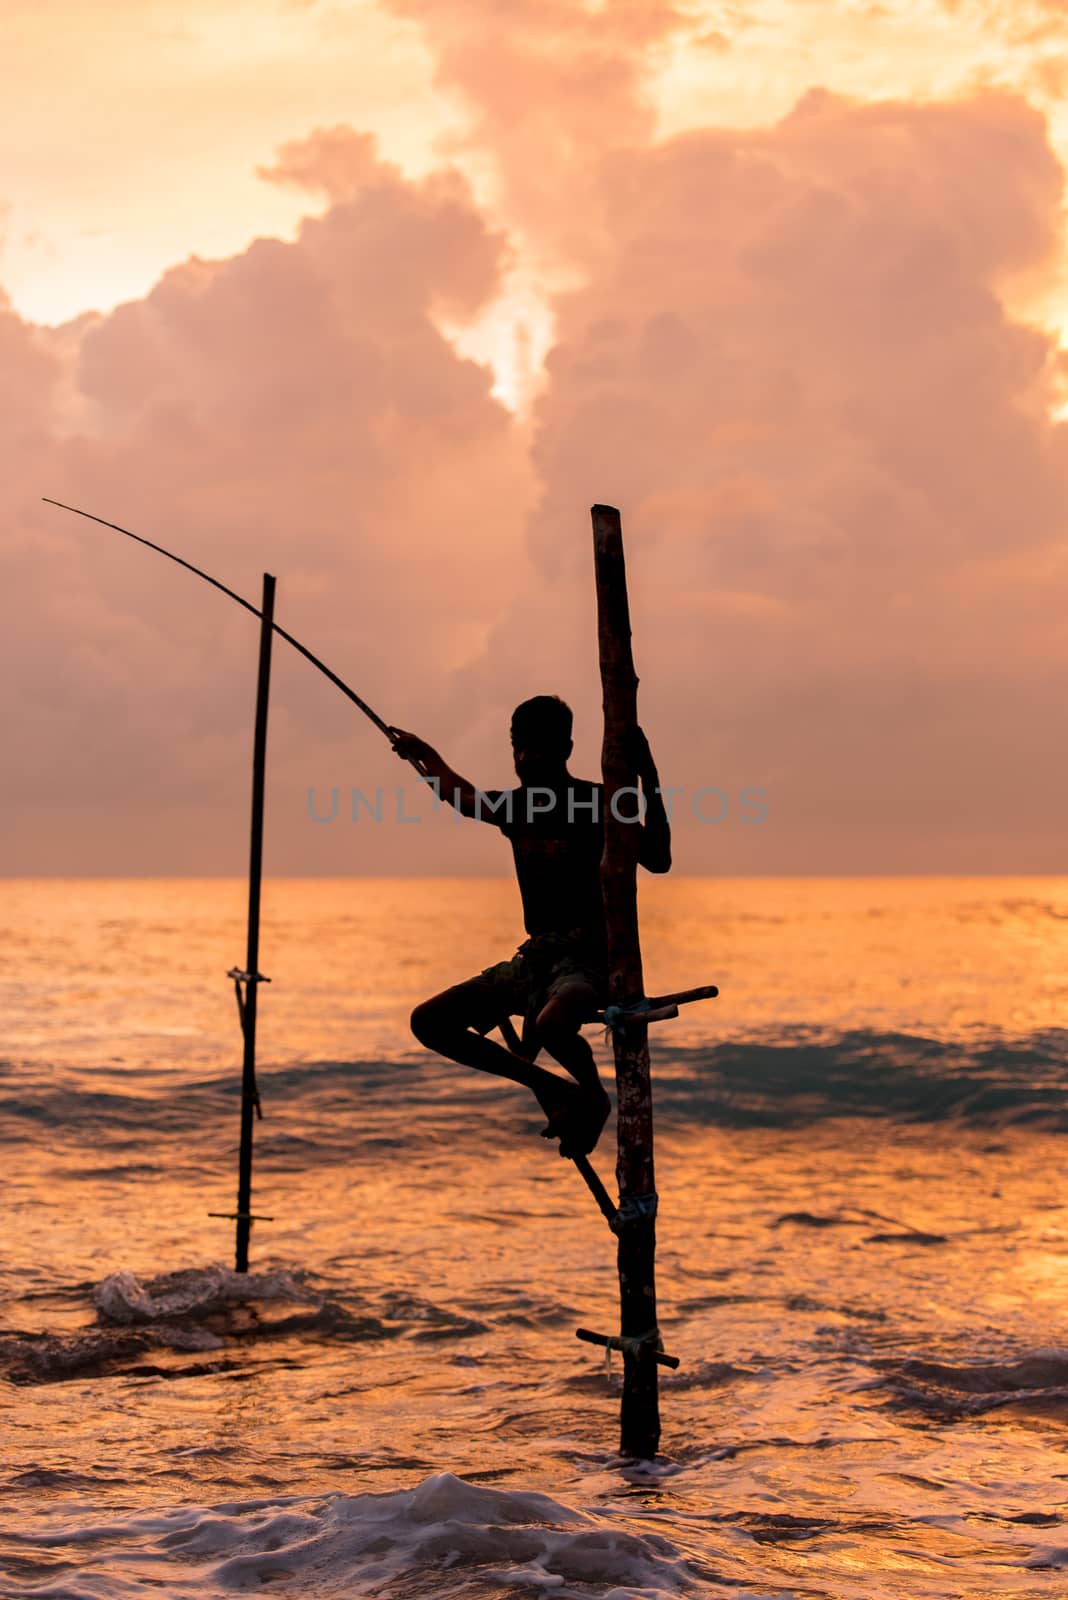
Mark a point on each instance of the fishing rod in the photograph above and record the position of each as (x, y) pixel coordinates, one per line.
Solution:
(589, 1177)
(339, 683)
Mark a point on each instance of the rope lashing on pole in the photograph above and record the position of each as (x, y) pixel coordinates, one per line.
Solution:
(245, 978)
(616, 1016)
(655, 1008)
(635, 1208)
(628, 1343)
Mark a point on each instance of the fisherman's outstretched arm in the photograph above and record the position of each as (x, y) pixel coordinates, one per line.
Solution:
(654, 847)
(429, 764)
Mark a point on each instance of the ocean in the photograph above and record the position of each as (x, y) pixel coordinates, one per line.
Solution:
(862, 1257)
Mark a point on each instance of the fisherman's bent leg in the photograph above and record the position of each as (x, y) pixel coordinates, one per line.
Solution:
(572, 1002)
(447, 1024)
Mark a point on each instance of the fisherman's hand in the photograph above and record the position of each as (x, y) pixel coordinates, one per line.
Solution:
(409, 746)
(638, 752)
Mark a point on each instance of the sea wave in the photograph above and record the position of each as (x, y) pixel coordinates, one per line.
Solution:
(1036, 1382)
(802, 1075)
(444, 1537)
(779, 1078)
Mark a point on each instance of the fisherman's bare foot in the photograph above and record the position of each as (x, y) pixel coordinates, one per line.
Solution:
(593, 1111)
(558, 1098)
(577, 1119)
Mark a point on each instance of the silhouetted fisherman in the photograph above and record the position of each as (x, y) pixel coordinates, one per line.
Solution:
(556, 979)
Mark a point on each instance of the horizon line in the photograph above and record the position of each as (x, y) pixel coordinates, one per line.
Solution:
(499, 877)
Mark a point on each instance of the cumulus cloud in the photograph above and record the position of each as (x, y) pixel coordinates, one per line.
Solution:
(293, 409)
(549, 85)
(843, 497)
(786, 356)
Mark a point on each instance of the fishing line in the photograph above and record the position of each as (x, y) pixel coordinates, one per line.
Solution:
(339, 683)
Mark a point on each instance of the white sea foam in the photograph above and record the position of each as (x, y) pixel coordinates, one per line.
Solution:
(444, 1537)
(122, 1297)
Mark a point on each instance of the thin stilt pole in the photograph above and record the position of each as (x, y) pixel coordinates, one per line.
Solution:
(249, 1093)
(635, 1226)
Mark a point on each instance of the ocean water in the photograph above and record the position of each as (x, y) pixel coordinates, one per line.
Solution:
(862, 1254)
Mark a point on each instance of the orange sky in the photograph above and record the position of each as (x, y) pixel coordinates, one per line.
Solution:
(386, 296)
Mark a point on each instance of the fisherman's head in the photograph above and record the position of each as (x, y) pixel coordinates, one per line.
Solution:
(541, 738)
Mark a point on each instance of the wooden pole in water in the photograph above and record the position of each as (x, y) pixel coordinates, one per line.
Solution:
(636, 1226)
(250, 1099)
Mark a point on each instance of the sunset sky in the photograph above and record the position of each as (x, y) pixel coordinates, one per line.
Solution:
(383, 297)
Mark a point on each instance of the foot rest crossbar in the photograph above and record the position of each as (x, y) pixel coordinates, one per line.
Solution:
(619, 1342)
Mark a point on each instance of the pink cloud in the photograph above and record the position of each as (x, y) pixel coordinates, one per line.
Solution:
(292, 408)
(793, 372)
(790, 365)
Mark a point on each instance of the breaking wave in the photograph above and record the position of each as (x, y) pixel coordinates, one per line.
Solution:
(444, 1537)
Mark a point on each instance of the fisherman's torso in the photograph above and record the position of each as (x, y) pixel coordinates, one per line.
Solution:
(557, 837)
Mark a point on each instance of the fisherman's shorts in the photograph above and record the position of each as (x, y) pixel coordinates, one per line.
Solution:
(521, 986)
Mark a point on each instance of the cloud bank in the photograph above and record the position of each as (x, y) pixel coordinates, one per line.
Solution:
(788, 361)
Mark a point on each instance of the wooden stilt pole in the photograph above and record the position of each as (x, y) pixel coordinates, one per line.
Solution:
(250, 1099)
(635, 1225)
